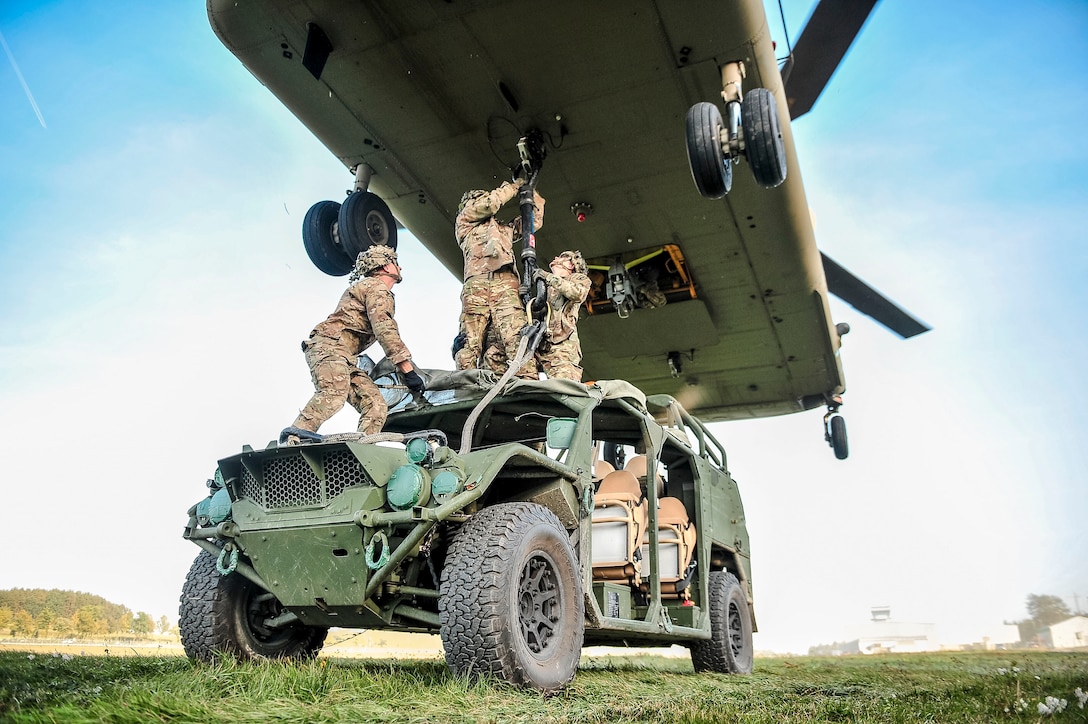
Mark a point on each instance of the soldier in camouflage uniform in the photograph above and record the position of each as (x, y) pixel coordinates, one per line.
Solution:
(490, 295)
(363, 315)
(494, 358)
(560, 354)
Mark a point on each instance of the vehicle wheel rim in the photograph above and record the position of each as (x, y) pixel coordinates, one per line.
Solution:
(259, 609)
(736, 631)
(376, 228)
(539, 603)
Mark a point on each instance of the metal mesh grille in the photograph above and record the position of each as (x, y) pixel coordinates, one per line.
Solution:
(251, 488)
(341, 471)
(290, 482)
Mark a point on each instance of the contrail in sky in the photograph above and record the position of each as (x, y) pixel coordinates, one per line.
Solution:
(26, 88)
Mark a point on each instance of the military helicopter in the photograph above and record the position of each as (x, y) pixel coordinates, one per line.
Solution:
(715, 291)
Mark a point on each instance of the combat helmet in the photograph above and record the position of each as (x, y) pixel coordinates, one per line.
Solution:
(373, 258)
(470, 196)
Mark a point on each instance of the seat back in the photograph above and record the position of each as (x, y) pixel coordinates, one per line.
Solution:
(637, 466)
(619, 522)
(619, 484)
(602, 468)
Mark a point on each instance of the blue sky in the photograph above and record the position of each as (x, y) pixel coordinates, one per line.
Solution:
(153, 289)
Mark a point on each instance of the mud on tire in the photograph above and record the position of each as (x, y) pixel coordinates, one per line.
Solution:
(225, 614)
(510, 602)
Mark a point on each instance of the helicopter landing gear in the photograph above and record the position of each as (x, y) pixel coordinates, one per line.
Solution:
(835, 429)
(711, 169)
(334, 234)
(364, 221)
(749, 127)
(321, 238)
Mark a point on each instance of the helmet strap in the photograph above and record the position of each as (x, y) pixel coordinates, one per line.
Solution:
(394, 275)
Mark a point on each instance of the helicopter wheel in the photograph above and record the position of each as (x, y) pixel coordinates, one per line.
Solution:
(763, 137)
(320, 240)
(365, 220)
(710, 168)
(838, 437)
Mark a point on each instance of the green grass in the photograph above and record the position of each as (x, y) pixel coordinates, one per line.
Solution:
(949, 687)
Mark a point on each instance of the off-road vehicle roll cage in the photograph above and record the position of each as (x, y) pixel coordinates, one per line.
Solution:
(558, 514)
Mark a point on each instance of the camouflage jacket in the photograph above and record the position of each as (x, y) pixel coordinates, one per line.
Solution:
(487, 243)
(565, 296)
(364, 315)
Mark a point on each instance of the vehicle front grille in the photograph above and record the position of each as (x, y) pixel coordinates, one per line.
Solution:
(288, 481)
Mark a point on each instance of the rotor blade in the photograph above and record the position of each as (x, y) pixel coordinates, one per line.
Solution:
(869, 301)
(827, 36)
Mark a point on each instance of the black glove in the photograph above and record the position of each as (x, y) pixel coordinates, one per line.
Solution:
(459, 343)
(414, 382)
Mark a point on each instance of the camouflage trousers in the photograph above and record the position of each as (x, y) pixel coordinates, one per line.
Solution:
(494, 358)
(490, 303)
(560, 360)
(337, 380)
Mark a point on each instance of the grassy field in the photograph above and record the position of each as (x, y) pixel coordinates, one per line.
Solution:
(948, 687)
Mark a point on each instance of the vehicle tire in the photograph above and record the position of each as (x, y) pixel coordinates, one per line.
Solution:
(365, 220)
(510, 602)
(763, 137)
(320, 243)
(223, 614)
(711, 170)
(838, 437)
(729, 650)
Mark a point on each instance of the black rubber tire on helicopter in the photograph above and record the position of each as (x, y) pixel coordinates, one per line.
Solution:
(614, 455)
(838, 437)
(510, 604)
(730, 649)
(225, 614)
(320, 242)
(711, 170)
(365, 220)
(763, 144)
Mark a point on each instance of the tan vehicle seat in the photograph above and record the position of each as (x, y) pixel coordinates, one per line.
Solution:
(602, 468)
(637, 467)
(619, 522)
(676, 543)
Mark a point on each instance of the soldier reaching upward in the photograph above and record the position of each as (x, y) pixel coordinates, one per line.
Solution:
(490, 295)
(560, 354)
(363, 315)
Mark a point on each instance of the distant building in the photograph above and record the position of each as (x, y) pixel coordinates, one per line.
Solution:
(1072, 633)
(882, 635)
(1000, 636)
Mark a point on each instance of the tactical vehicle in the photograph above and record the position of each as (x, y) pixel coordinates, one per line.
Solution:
(518, 524)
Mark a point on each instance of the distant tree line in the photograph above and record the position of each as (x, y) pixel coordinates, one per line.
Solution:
(36, 612)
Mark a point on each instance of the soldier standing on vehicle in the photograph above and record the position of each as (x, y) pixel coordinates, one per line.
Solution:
(490, 295)
(363, 315)
(493, 359)
(560, 353)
